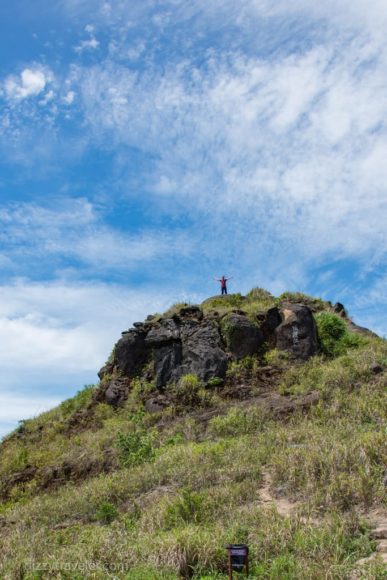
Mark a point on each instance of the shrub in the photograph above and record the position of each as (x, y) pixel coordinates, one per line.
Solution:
(187, 508)
(190, 392)
(135, 447)
(224, 303)
(259, 294)
(316, 304)
(106, 513)
(174, 309)
(258, 299)
(277, 358)
(243, 369)
(215, 382)
(334, 336)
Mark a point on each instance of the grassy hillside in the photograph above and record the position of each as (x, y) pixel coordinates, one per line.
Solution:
(288, 458)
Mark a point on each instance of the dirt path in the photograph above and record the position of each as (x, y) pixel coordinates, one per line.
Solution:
(283, 506)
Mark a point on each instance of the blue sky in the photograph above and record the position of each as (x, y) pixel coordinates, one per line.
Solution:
(147, 146)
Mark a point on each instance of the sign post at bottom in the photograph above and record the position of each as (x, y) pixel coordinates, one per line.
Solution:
(238, 558)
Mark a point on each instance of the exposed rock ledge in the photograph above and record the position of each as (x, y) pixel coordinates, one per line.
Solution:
(191, 342)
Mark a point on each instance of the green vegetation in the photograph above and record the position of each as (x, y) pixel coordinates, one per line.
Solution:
(135, 447)
(106, 513)
(316, 304)
(254, 303)
(190, 393)
(174, 309)
(122, 493)
(334, 336)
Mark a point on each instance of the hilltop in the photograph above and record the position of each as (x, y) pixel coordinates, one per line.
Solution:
(244, 419)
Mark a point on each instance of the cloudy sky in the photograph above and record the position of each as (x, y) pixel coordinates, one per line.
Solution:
(149, 145)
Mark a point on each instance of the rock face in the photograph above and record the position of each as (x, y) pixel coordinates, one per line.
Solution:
(164, 349)
(131, 352)
(297, 332)
(242, 337)
(202, 352)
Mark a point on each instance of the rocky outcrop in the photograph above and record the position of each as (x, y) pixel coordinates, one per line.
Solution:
(185, 343)
(360, 329)
(297, 332)
(203, 342)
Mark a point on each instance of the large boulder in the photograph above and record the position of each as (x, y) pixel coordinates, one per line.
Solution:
(242, 337)
(297, 333)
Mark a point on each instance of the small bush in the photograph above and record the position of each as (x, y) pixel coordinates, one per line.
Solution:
(334, 336)
(315, 304)
(224, 303)
(174, 309)
(106, 513)
(243, 369)
(187, 508)
(215, 382)
(135, 447)
(258, 299)
(259, 294)
(190, 392)
(276, 358)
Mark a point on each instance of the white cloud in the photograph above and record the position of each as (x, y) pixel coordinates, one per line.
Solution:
(75, 229)
(88, 44)
(296, 142)
(68, 99)
(31, 82)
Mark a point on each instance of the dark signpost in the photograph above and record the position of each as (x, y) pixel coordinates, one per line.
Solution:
(238, 558)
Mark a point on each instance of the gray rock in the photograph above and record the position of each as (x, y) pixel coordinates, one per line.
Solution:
(117, 392)
(242, 337)
(167, 359)
(340, 309)
(376, 368)
(131, 353)
(297, 332)
(202, 352)
(166, 331)
(107, 369)
(361, 330)
(156, 404)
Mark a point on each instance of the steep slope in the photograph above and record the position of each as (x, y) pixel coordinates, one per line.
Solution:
(247, 419)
